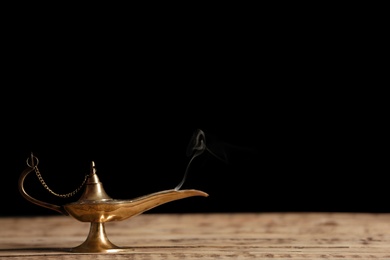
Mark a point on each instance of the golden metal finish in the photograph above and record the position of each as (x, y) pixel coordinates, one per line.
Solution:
(96, 207)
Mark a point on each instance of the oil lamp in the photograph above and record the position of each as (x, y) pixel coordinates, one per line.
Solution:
(96, 207)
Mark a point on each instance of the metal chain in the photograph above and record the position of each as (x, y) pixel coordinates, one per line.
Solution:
(67, 195)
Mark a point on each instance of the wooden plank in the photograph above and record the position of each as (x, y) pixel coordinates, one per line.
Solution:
(206, 236)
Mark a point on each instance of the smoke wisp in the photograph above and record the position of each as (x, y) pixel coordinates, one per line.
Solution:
(196, 147)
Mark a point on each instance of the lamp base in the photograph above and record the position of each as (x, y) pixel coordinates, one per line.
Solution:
(97, 241)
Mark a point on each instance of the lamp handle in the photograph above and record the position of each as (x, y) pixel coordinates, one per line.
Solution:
(22, 191)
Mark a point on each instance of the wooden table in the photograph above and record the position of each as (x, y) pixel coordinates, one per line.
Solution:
(206, 236)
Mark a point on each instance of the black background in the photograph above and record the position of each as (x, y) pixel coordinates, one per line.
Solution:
(292, 106)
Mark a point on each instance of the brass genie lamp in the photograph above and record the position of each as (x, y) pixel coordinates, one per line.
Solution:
(96, 207)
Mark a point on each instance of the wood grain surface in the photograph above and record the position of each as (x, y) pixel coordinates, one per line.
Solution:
(206, 236)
